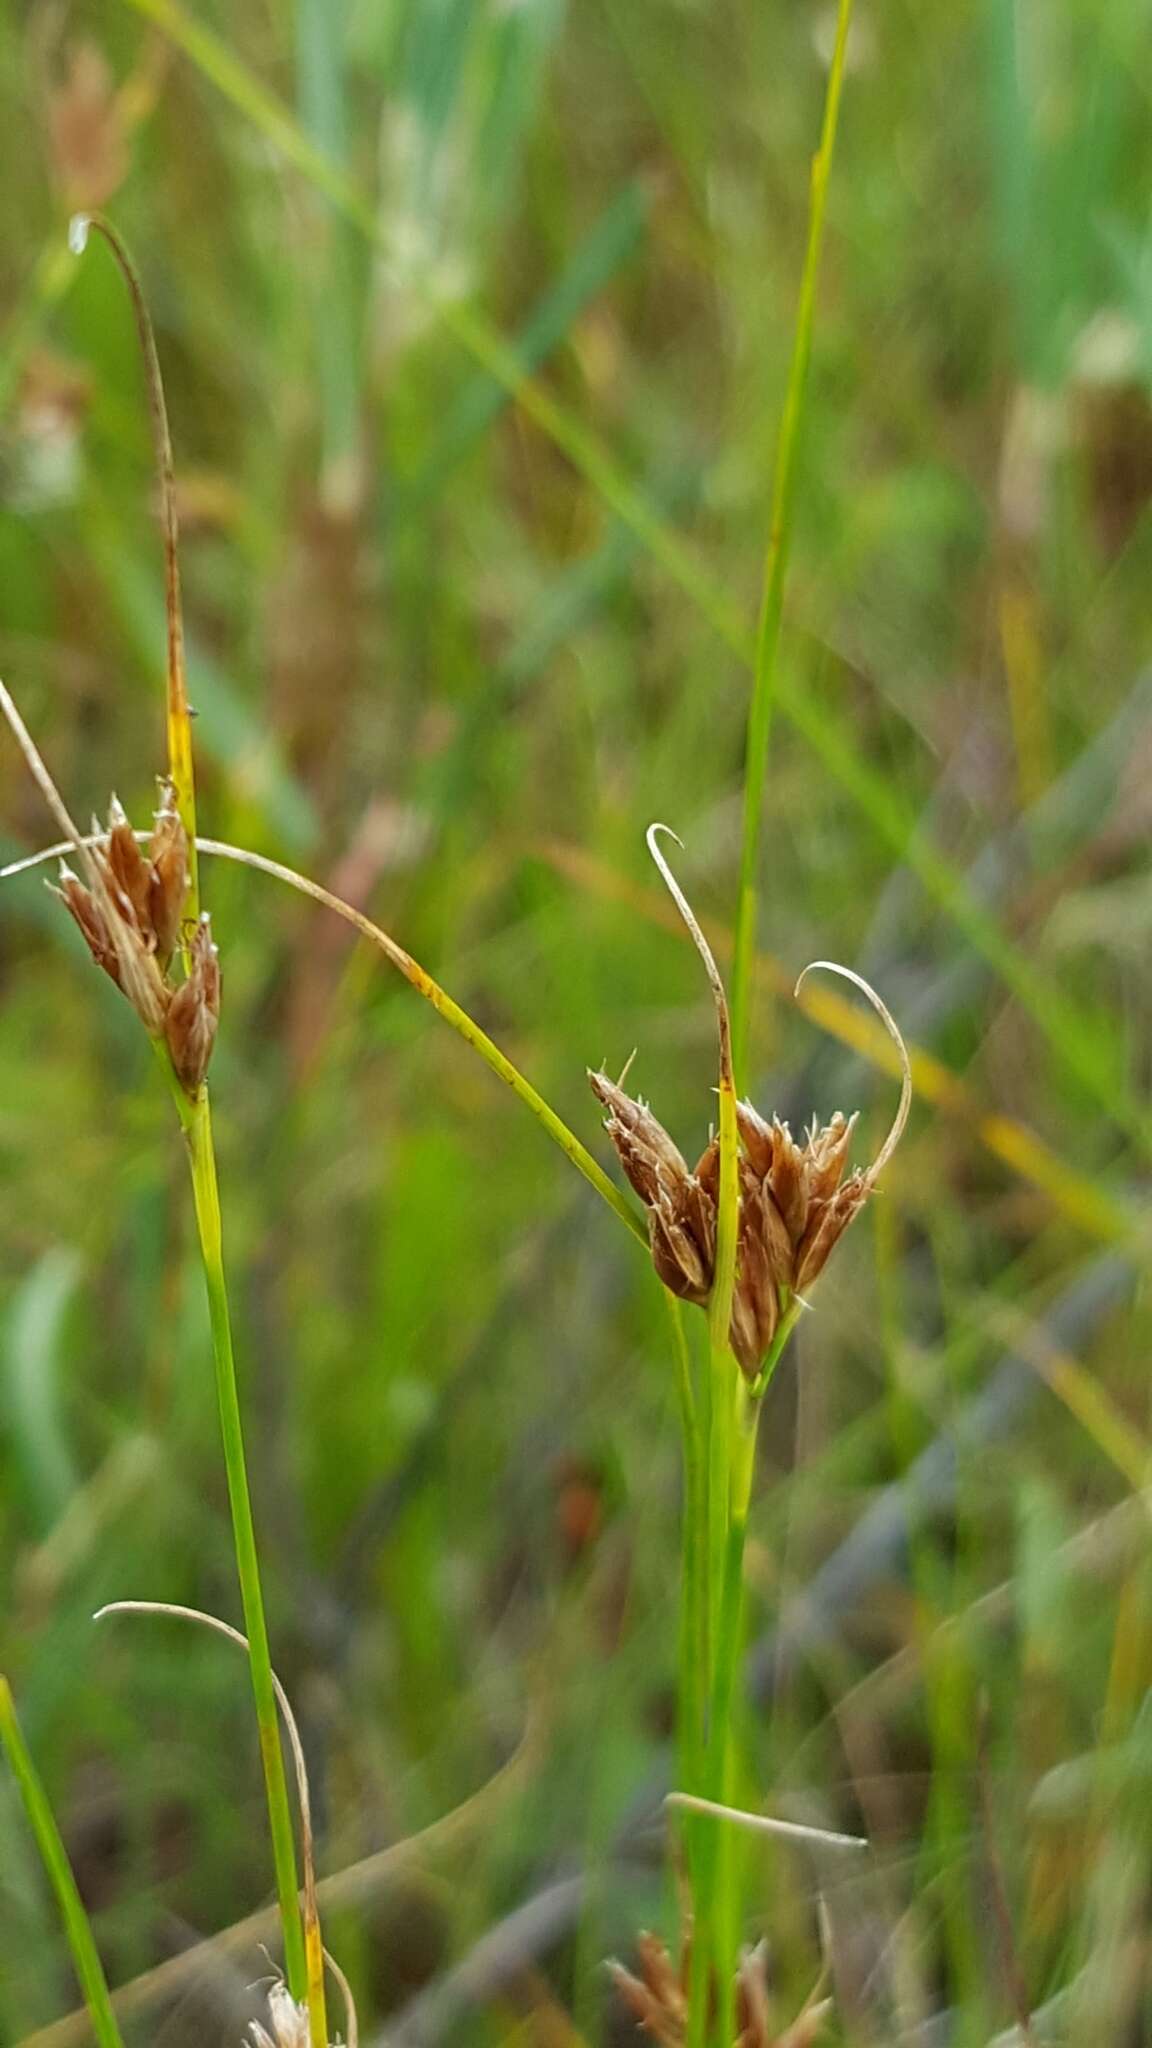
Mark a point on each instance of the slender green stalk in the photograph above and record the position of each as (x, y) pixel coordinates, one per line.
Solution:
(764, 683)
(723, 1379)
(195, 1117)
(693, 1686)
(728, 1846)
(77, 1927)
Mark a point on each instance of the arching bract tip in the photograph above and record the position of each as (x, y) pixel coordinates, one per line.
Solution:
(700, 943)
(78, 231)
(897, 1037)
(649, 837)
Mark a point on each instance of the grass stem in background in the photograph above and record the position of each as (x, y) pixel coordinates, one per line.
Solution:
(764, 679)
(54, 1856)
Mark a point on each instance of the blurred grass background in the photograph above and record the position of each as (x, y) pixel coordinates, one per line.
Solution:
(454, 671)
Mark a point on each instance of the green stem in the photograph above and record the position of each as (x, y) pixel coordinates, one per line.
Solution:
(196, 1120)
(89, 1968)
(724, 1901)
(693, 1647)
(764, 681)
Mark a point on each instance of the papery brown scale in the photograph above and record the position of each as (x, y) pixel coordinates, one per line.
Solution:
(141, 979)
(828, 1156)
(757, 1138)
(707, 1171)
(129, 871)
(168, 888)
(87, 913)
(763, 1267)
(677, 1255)
(194, 1012)
(828, 1226)
(648, 1155)
(788, 1180)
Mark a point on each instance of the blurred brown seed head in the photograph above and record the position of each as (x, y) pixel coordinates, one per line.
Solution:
(657, 1996)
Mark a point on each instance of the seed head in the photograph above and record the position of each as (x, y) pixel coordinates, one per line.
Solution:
(657, 1996)
(289, 2022)
(168, 879)
(130, 911)
(795, 1201)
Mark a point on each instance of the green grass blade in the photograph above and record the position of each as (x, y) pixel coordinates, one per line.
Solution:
(77, 1926)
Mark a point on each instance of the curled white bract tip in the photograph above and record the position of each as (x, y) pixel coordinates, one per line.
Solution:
(78, 230)
(895, 1034)
(698, 940)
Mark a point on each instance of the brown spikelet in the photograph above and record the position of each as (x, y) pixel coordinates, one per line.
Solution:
(656, 1994)
(87, 914)
(681, 1217)
(168, 879)
(194, 1011)
(796, 1202)
(129, 873)
(794, 1206)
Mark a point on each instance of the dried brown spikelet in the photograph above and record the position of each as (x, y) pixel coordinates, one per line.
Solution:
(131, 918)
(168, 881)
(796, 1201)
(194, 1011)
(87, 914)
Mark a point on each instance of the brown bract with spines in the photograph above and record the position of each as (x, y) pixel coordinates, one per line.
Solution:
(130, 911)
(796, 1201)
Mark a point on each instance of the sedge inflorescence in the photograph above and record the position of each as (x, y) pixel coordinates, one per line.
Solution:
(796, 1201)
(131, 911)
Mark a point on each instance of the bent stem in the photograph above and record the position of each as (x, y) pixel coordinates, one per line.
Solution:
(196, 1121)
(54, 1856)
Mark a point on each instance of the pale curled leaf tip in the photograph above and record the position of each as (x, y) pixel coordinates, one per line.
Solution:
(895, 1034)
(698, 939)
(79, 228)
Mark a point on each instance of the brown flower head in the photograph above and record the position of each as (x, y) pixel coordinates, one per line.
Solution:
(130, 908)
(130, 916)
(794, 1200)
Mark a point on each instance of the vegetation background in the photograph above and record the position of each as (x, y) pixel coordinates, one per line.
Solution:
(455, 670)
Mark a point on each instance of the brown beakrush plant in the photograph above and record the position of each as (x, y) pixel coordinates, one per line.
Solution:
(781, 1207)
